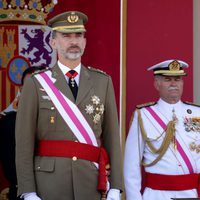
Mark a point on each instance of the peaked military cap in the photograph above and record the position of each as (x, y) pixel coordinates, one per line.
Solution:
(169, 68)
(69, 22)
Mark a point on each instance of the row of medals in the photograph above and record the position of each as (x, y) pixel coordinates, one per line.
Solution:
(193, 124)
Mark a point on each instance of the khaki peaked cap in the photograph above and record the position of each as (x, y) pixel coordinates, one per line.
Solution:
(69, 22)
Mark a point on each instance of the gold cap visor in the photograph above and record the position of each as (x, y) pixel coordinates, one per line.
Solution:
(170, 73)
(70, 29)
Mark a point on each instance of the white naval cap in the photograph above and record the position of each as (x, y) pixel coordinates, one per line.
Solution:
(170, 68)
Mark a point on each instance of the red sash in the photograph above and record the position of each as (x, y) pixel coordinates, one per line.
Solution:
(173, 182)
(70, 149)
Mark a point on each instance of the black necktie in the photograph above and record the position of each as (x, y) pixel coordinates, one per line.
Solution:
(72, 83)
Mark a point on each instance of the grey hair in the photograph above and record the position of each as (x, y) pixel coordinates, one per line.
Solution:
(157, 77)
(53, 34)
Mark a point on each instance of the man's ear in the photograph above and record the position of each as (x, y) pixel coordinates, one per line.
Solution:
(53, 43)
(156, 84)
(85, 41)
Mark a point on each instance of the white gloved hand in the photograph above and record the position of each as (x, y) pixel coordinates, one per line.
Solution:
(31, 196)
(113, 194)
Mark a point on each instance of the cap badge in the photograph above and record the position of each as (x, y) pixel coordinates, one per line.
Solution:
(174, 66)
(72, 18)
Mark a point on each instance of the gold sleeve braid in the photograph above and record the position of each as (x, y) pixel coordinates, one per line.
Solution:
(170, 130)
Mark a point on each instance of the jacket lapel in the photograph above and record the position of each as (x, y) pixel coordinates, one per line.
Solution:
(61, 83)
(85, 84)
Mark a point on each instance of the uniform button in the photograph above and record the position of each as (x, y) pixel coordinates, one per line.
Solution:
(74, 158)
(38, 168)
(76, 140)
(52, 108)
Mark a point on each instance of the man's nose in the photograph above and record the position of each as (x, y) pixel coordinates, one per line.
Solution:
(73, 40)
(173, 82)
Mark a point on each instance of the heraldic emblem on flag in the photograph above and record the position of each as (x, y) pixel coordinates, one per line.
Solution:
(24, 42)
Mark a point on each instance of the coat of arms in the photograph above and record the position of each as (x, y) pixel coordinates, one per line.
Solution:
(24, 42)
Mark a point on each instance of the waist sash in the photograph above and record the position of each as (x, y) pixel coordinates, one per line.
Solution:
(173, 182)
(69, 149)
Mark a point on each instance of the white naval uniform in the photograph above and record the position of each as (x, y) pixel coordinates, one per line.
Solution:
(172, 163)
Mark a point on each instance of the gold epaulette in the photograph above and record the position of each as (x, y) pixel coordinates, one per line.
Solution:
(40, 71)
(97, 70)
(145, 105)
(191, 103)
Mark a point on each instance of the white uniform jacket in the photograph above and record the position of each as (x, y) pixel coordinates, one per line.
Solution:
(173, 162)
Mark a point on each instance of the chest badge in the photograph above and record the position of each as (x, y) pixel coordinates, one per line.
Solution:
(95, 108)
(52, 120)
(194, 147)
(192, 124)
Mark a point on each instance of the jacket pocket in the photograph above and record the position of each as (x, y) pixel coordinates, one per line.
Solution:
(44, 164)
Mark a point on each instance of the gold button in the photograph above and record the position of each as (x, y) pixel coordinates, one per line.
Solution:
(74, 158)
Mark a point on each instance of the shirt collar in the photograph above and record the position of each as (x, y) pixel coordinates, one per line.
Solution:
(167, 108)
(65, 69)
(165, 104)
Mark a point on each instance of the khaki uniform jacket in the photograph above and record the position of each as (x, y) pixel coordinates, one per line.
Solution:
(54, 178)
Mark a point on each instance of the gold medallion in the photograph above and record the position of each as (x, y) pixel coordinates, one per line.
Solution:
(52, 120)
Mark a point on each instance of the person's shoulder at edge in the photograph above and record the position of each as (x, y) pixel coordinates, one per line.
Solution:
(5, 115)
(2, 114)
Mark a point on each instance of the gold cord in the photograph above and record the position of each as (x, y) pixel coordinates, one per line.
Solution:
(170, 131)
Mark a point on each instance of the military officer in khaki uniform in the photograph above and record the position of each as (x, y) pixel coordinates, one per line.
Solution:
(67, 135)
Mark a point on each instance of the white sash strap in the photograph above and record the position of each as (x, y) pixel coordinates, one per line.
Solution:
(68, 110)
(180, 149)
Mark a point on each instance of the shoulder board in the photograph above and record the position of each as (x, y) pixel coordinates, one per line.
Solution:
(40, 71)
(191, 103)
(145, 105)
(96, 70)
